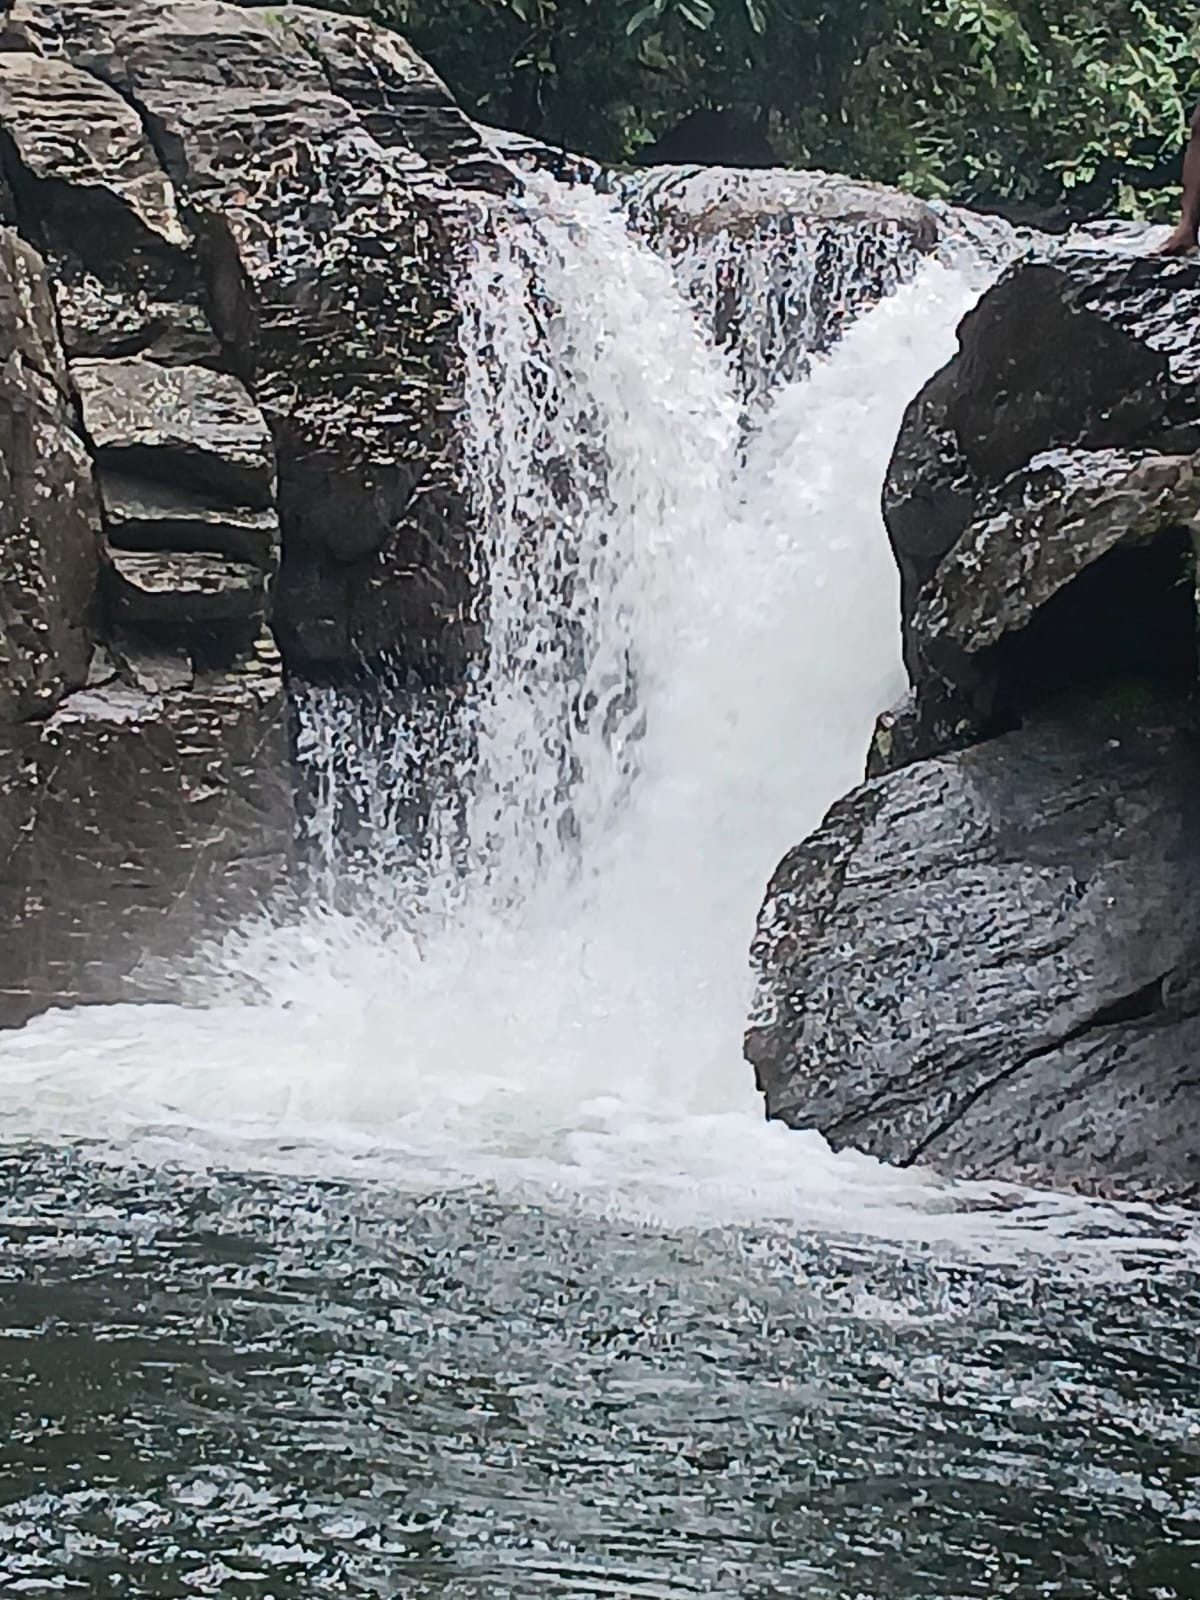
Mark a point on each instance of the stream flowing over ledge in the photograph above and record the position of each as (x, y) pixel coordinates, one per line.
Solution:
(241, 470)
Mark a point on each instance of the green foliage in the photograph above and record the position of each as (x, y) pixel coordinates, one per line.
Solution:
(980, 100)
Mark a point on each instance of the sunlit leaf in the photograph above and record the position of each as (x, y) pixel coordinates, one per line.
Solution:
(639, 19)
(698, 12)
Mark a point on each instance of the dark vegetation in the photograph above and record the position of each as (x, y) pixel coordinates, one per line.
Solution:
(1020, 104)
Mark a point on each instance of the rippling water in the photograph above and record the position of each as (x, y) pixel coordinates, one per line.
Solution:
(434, 1244)
(223, 1385)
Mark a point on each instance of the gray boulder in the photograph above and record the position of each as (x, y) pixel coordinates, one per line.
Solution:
(235, 352)
(1092, 352)
(987, 961)
(1077, 568)
(87, 183)
(986, 958)
(1064, 512)
(81, 145)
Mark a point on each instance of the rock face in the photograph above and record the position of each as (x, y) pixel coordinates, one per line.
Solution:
(144, 814)
(48, 507)
(988, 962)
(987, 958)
(144, 787)
(275, 193)
(227, 341)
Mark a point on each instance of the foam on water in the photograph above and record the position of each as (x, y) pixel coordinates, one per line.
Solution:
(691, 627)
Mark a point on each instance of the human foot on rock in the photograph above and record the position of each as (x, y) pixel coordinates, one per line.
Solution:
(1181, 243)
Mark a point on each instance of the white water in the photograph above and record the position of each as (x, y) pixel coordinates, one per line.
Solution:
(690, 637)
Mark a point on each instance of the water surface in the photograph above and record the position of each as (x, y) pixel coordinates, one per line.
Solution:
(216, 1384)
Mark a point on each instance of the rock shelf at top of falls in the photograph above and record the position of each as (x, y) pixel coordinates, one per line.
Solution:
(986, 958)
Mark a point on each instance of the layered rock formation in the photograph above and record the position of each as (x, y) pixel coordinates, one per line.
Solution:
(273, 193)
(226, 352)
(987, 958)
(143, 761)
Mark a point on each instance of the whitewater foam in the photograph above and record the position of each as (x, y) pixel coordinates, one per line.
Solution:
(691, 629)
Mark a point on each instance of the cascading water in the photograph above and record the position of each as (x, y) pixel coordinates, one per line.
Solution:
(771, 281)
(690, 627)
(438, 1247)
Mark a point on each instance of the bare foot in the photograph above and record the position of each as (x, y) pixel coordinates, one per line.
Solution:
(1181, 243)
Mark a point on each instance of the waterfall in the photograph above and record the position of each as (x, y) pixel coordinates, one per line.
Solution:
(691, 619)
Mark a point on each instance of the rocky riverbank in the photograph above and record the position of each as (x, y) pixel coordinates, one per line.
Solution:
(986, 958)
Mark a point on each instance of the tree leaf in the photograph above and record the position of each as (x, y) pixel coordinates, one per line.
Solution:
(698, 12)
(639, 19)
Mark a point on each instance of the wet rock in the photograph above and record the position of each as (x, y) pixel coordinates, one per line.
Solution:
(180, 425)
(929, 492)
(143, 805)
(1105, 359)
(152, 667)
(1092, 351)
(87, 184)
(141, 514)
(988, 961)
(187, 477)
(249, 219)
(985, 958)
(403, 104)
(49, 517)
(194, 833)
(824, 248)
(327, 177)
(181, 590)
(1079, 567)
(705, 200)
(933, 722)
(1039, 498)
(70, 131)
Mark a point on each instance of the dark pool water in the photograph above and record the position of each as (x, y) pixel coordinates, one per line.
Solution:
(228, 1385)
